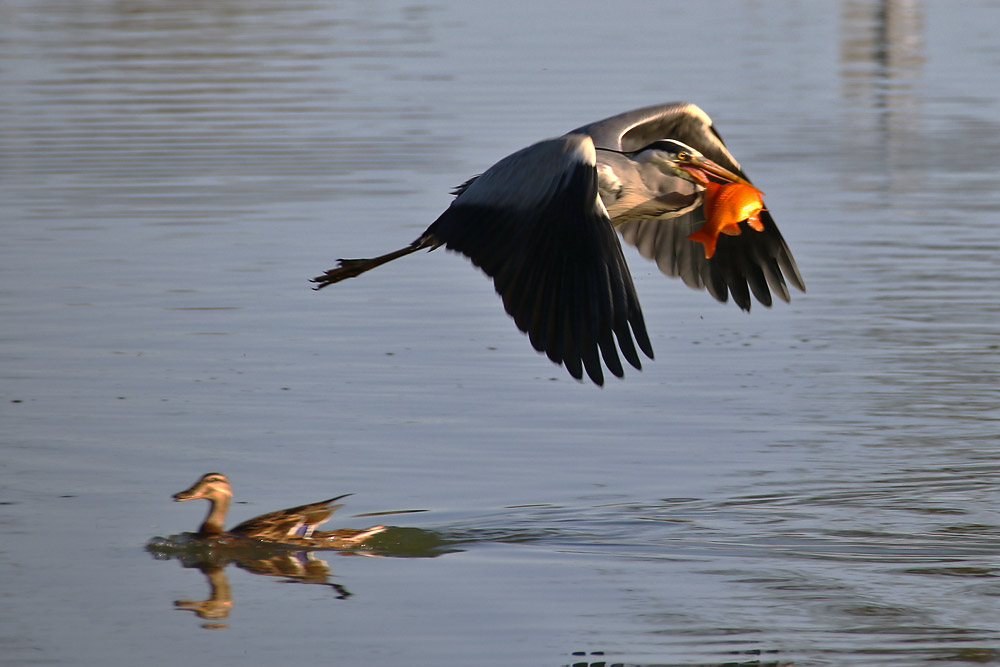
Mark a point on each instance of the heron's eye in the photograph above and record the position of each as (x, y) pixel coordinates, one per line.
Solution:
(684, 156)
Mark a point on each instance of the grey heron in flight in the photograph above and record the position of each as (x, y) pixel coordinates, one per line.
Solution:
(542, 221)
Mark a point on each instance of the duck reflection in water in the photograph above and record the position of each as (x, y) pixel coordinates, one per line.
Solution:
(220, 600)
(293, 566)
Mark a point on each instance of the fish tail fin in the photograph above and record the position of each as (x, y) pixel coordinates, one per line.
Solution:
(705, 238)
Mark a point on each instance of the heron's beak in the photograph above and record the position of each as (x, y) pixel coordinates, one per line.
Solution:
(697, 166)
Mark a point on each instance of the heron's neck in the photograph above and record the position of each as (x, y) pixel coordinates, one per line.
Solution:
(216, 519)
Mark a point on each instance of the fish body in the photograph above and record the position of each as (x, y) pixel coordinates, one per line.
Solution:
(725, 206)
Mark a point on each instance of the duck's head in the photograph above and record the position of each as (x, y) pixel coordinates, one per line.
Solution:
(212, 485)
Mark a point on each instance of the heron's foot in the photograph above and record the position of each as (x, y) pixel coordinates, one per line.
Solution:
(346, 268)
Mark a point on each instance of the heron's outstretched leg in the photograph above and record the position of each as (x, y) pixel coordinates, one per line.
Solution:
(349, 268)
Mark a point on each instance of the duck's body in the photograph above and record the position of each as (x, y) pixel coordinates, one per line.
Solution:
(295, 526)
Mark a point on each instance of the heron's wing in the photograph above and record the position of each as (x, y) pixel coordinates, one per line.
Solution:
(281, 523)
(534, 223)
(682, 121)
(753, 262)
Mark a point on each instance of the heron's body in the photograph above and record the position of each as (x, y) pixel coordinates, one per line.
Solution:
(541, 222)
(296, 525)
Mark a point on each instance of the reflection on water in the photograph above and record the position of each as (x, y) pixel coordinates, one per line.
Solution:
(925, 239)
(219, 603)
(289, 563)
(882, 55)
(291, 566)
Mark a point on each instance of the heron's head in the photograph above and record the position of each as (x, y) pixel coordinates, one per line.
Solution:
(675, 157)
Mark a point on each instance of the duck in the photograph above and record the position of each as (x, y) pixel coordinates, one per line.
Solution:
(293, 526)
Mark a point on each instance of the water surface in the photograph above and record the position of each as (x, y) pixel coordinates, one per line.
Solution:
(814, 483)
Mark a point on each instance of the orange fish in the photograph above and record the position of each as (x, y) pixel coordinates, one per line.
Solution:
(726, 205)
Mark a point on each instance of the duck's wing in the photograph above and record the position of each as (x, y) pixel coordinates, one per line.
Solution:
(293, 522)
(753, 262)
(535, 223)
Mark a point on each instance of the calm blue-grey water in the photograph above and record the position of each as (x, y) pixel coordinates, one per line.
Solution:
(813, 484)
